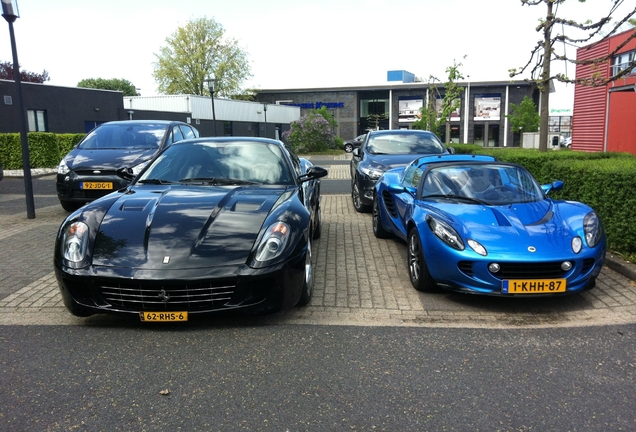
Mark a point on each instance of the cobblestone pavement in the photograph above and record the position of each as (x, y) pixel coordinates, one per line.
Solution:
(360, 280)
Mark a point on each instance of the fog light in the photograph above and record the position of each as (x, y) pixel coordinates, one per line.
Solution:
(494, 267)
(368, 194)
(566, 266)
(67, 178)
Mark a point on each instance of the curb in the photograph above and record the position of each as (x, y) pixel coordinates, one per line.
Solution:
(35, 172)
(619, 265)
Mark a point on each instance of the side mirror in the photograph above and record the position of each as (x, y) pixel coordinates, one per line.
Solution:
(125, 173)
(314, 172)
(556, 185)
(356, 152)
(451, 150)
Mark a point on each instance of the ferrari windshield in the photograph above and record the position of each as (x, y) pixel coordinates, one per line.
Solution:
(219, 163)
(488, 183)
(125, 136)
(405, 143)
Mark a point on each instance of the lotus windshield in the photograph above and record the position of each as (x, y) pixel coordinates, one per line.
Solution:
(219, 163)
(495, 184)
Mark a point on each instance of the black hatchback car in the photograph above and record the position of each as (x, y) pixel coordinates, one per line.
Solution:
(89, 171)
(383, 150)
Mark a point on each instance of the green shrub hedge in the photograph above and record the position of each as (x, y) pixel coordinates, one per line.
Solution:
(45, 149)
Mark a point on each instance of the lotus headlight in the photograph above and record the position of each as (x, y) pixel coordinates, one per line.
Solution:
(273, 242)
(372, 173)
(75, 242)
(477, 247)
(445, 233)
(137, 168)
(62, 168)
(592, 229)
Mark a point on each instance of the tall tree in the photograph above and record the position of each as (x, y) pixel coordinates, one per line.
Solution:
(6, 72)
(435, 116)
(123, 85)
(524, 117)
(544, 52)
(198, 51)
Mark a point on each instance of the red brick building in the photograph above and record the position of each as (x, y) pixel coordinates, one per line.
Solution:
(605, 116)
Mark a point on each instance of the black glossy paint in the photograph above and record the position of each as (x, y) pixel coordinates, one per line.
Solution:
(169, 236)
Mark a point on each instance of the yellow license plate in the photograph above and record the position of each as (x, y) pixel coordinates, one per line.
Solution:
(97, 185)
(163, 316)
(533, 286)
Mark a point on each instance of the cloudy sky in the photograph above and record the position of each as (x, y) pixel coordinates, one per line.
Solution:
(290, 43)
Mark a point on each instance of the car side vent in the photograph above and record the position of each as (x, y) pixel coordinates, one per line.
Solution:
(389, 203)
(588, 263)
(466, 267)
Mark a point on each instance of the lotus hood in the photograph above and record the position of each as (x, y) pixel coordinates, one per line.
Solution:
(183, 227)
(107, 159)
(513, 229)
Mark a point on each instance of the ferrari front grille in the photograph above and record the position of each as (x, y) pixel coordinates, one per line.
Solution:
(173, 297)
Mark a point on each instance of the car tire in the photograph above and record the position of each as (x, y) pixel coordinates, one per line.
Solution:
(348, 148)
(308, 283)
(70, 206)
(318, 227)
(355, 196)
(378, 229)
(419, 275)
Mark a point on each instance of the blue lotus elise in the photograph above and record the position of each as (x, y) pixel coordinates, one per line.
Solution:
(477, 225)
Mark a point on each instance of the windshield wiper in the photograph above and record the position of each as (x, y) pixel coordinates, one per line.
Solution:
(216, 181)
(476, 200)
(155, 181)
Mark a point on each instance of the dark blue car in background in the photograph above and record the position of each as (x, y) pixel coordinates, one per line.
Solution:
(383, 150)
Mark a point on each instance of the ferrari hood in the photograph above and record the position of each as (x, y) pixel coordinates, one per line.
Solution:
(183, 227)
(107, 159)
(540, 225)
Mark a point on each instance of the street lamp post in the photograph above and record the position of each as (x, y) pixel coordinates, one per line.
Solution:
(265, 111)
(10, 13)
(210, 82)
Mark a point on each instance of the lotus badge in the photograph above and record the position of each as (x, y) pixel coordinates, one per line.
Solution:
(532, 249)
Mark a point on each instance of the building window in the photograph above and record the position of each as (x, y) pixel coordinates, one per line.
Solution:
(620, 62)
(227, 128)
(560, 124)
(37, 120)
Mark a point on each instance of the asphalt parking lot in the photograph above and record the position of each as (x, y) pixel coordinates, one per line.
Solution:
(360, 280)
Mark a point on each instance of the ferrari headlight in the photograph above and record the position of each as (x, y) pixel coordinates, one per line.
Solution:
(273, 242)
(445, 233)
(75, 242)
(592, 229)
(62, 168)
(372, 173)
(137, 168)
